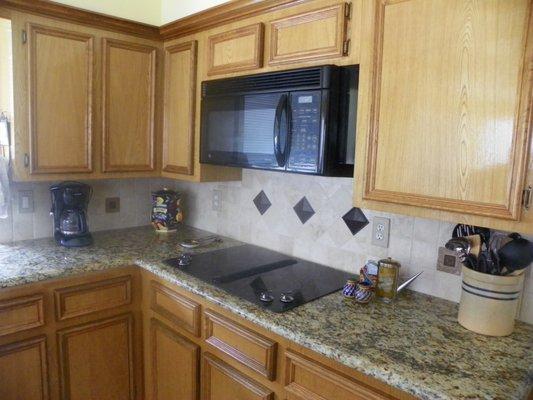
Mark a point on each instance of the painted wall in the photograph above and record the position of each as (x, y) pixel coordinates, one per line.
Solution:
(172, 10)
(153, 12)
(146, 11)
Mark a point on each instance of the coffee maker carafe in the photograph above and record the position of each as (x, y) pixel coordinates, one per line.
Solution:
(69, 208)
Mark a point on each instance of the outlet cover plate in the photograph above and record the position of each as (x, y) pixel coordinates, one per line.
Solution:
(448, 261)
(112, 205)
(380, 231)
(25, 200)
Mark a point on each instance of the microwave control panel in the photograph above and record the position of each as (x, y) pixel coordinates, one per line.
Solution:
(305, 144)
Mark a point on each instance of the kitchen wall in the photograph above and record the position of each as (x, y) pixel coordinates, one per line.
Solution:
(146, 11)
(153, 12)
(172, 10)
(135, 206)
(324, 238)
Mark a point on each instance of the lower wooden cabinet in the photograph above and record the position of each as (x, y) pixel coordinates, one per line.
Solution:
(96, 360)
(175, 364)
(220, 381)
(157, 341)
(24, 370)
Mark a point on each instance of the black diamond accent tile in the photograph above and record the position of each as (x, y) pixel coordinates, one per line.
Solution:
(303, 210)
(355, 220)
(262, 203)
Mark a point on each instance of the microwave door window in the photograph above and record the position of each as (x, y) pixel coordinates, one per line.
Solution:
(239, 130)
(306, 131)
(259, 129)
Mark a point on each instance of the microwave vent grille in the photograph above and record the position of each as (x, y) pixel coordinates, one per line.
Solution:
(309, 78)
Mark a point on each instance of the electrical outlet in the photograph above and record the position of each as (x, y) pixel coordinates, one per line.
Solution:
(448, 261)
(112, 205)
(215, 200)
(25, 201)
(380, 231)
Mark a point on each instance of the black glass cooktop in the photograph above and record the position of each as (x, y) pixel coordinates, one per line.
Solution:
(272, 280)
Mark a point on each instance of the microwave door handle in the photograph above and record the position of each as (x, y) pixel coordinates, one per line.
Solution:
(277, 130)
(288, 138)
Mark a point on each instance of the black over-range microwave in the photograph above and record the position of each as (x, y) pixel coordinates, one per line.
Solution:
(296, 121)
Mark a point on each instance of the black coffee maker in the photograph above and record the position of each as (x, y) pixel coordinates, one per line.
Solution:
(69, 208)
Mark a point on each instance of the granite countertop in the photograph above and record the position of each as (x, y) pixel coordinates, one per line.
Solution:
(414, 344)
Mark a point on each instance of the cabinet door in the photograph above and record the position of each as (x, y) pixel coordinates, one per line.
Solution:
(220, 381)
(128, 106)
(448, 123)
(175, 364)
(180, 98)
(96, 360)
(236, 50)
(312, 35)
(60, 98)
(23, 370)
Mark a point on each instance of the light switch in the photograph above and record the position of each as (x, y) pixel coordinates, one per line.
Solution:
(25, 201)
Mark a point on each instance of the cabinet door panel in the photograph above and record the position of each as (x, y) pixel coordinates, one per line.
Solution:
(23, 370)
(128, 106)
(220, 381)
(60, 92)
(96, 360)
(448, 126)
(236, 50)
(180, 98)
(312, 35)
(175, 364)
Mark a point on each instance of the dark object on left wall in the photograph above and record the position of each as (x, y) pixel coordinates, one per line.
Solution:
(69, 209)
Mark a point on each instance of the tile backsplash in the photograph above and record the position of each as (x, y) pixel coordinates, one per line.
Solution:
(324, 237)
(135, 205)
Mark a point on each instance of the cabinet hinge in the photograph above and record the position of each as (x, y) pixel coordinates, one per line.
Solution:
(345, 47)
(527, 197)
(348, 10)
(24, 36)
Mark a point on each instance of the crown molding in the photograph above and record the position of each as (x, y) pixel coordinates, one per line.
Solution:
(79, 16)
(216, 16)
(224, 13)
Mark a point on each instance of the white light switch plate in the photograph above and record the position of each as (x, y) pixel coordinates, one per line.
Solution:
(25, 201)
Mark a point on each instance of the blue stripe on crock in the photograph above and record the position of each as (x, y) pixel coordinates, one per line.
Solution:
(487, 290)
(490, 297)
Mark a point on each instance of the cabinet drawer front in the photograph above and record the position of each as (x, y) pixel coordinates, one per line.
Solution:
(220, 381)
(236, 50)
(248, 347)
(88, 298)
(21, 313)
(306, 379)
(312, 35)
(182, 311)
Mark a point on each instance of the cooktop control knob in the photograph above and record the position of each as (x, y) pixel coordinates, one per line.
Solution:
(287, 297)
(266, 297)
(184, 259)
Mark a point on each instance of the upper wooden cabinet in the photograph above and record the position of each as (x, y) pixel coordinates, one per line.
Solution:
(128, 103)
(445, 106)
(312, 35)
(179, 108)
(60, 100)
(235, 50)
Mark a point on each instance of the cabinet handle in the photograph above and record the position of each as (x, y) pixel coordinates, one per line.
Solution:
(526, 200)
(26, 160)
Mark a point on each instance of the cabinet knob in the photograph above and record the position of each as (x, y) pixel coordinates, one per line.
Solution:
(26, 160)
